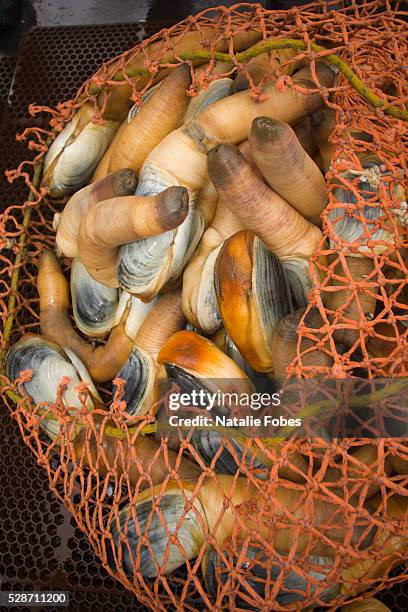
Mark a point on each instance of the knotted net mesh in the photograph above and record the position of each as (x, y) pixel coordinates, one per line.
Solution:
(325, 519)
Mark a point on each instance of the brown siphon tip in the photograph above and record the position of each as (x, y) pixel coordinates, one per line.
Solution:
(124, 182)
(288, 325)
(223, 161)
(317, 118)
(173, 206)
(266, 129)
(48, 259)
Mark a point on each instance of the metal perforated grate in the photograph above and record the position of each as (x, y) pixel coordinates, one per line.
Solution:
(41, 547)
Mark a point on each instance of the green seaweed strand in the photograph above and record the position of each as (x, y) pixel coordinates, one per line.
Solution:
(273, 45)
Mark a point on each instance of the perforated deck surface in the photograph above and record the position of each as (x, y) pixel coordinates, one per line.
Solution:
(40, 546)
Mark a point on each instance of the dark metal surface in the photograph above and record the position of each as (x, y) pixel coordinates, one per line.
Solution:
(41, 548)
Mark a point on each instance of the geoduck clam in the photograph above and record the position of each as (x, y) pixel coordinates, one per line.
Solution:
(94, 305)
(169, 524)
(73, 156)
(180, 159)
(140, 371)
(256, 568)
(253, 295)
(120, 183)
(49, 364)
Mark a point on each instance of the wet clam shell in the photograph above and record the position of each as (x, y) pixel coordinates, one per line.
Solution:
(75, 159)
(138, 311)
(351, 227)
(145, 266)
(94, 305)
(139, 374)
(221, 88)
(253, 295)
(136, 108)
(298, 276)
(208, 443)
(208, 313)
(258, 569)
(64, 138)
(49, 364)
(143, 519)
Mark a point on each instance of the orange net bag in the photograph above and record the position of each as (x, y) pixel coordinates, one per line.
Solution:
(301, 521)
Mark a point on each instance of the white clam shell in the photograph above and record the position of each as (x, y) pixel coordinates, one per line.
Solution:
(49, 364)
(168, 516)
(78, 160)
(186, 238)
(145, 266)
(134, 111)
(138, 311)
(298, 276)
(94, 305)
(352, 228)
(221, 88)
(208, 314)
(139, 374)
(60, 142)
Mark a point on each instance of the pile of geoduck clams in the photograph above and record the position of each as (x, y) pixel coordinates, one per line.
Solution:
(190, 247)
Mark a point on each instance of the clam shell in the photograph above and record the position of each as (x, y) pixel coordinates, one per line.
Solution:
(172, 512)
(221, 88)
(187, 382)
(207, 443)
(258, 569)
(352, 227)
(63, 139)
(271, 290)
(253, 295)
(208, 313)
(49, 364)
(145, 266)
(187, 236)
(94, 305)
(298, 276)
(138, 311)
(135, 108)
(139, 374)
(144, 263)
(78, 159)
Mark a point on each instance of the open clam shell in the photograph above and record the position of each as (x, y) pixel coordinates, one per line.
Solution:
(257, 570)
(188, 354)
(139, 373)
(49, 363)
(94, 305)
(253, 295)
(160, 532)
(195, 365)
